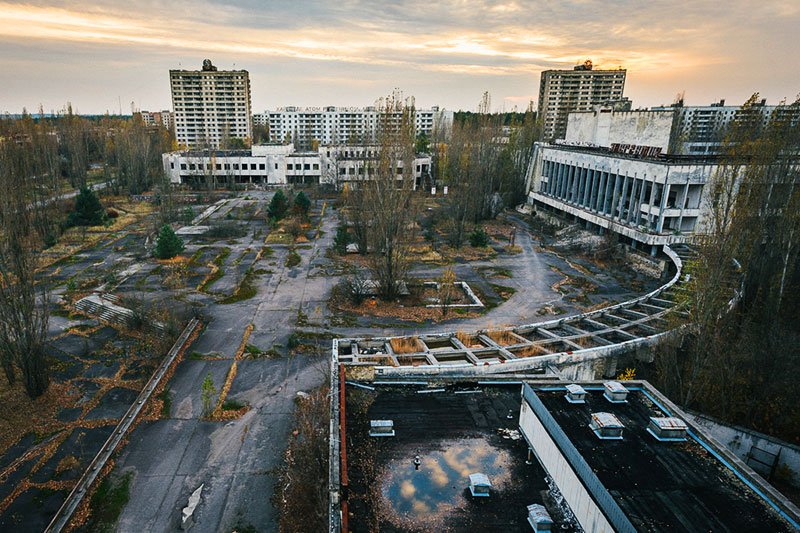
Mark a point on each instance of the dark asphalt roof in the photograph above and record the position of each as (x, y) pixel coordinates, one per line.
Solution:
(456, 428)
(660, 486)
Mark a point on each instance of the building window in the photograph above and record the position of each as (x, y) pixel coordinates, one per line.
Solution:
(289, 166)
(183, 166)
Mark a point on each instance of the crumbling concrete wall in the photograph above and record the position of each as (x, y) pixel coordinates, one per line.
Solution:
(746, 442)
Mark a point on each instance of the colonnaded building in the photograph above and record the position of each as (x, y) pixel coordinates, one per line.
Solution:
(640, 174)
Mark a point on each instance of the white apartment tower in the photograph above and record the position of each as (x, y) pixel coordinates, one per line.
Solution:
(210, 106)
(339, 125)
(580, 89)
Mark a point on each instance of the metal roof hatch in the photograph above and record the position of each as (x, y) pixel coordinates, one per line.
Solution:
(575, 393)
(479, 485)
(606, 426)
(667, 429)
(381, 428)
(539, 518)
(615, 392)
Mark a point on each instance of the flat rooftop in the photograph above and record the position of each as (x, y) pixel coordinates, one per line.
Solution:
(659, 486)
(455, 431)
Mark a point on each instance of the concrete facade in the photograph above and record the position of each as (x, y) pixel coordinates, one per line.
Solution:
(210, 106)
(648, 201)
(157, 118)
(281, 164)
(338, 125)
(605, 127)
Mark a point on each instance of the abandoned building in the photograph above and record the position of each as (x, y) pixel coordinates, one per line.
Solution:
(639, 174)
(277, 164)
(596, 466)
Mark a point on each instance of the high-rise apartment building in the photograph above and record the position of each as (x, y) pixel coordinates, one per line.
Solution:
(580, 89)
(339, 125)
(210, 106)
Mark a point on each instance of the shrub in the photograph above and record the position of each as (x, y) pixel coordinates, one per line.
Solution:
(168, 244)
(355, 288)
(293, 259)
(478, 238)
(302, 203)
(88, 210)
(278, 206)
(294, 341)
(341, 240)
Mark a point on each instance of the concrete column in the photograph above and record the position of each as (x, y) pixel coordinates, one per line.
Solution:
(623, 196)
(573, 186)
(593, 189)
(587, 189)
(652, 199)
(664, 196)
(615, 195)
(640, 201)
(601, 186)
(631, 200)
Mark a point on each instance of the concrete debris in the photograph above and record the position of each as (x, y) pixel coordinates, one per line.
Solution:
(187, 514)
(512, 434)
(302, 394)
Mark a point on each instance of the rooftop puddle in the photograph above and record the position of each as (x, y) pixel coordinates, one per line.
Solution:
(425, 496)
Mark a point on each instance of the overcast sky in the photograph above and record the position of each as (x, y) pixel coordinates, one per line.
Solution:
(350, 52)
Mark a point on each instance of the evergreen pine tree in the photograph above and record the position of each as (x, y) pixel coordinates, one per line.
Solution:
(278, 205)
(302, 203)
(88, 210)
(168, 245)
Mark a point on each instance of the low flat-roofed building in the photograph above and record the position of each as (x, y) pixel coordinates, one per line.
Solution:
(277, 164)
(455, 432)
(638, 482)
(549, 460)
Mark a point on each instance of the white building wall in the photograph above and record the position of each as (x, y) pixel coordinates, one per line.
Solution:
(604, 127)
(281, 165)
(583, 506)
(338, 125)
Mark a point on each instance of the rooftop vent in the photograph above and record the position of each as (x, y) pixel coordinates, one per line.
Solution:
(539, 518)
(606, 426)
(479, 485)
(667, 429)
(615, 392)
(575, 394)
(381, 428)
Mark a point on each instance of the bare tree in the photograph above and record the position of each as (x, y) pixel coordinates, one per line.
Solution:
(738, 361)
(23, 302)
(388, 188)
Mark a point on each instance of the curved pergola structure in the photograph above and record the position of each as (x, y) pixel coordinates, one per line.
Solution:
(566, 341)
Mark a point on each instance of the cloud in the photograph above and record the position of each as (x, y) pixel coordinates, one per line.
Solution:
(455, 43)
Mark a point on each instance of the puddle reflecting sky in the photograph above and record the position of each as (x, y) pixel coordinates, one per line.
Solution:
(438, 486)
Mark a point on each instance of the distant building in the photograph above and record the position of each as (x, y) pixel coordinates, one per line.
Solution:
(306, 126)
(281, 164)
(211, 106)
(701, 129)
(639, 174)
(580, 89)
(157, 118)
